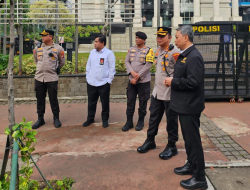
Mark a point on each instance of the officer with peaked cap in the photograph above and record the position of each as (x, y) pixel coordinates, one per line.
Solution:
(138, 62)
(165, 59)
(49, 58)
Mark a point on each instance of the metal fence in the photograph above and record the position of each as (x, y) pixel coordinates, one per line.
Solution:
(216, 44)
(243, 57)
(67, 20)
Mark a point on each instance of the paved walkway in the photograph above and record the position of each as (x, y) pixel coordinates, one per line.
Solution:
(98, 158)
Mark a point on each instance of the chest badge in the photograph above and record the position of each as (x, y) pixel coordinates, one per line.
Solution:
(101, 61)
(184, 60)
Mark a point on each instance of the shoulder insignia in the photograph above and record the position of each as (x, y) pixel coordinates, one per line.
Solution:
(40, 49)
(133, 50)
(62, 54)
(54, 49)
(166, 55)
(176, 55)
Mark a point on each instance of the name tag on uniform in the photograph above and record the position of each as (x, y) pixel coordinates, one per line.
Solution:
(101, 61)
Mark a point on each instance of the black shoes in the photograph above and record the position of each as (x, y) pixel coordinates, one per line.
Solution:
(57, 123)
(147, 145)
(139, 125)
(105, 123)
(88, 122)
(39, 123)
(168, 152)
(193, 183)
(184, 170)
(129, 125)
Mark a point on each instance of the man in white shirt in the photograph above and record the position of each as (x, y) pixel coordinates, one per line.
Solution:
(100, 71)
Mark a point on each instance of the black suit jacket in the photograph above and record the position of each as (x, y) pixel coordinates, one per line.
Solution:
(187, 86)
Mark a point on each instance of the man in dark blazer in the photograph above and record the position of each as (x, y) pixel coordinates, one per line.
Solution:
(187, 99)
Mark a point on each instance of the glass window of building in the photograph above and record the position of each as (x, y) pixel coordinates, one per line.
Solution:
(147, 11)
(187, 10)
(166, 12)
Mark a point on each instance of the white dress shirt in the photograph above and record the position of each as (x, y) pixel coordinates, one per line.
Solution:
(100, 67)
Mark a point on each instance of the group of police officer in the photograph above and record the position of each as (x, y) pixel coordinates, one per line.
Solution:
(179, 77)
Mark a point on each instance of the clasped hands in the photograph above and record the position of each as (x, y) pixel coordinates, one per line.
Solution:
(135, 77)
(167, 81)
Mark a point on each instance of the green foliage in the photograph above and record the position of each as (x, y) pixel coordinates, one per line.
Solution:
(46, 10)
(153, 68)
(120, 66)
(69, 31)
(5, 183)
(23, 133)
(29, 66)
(31, 36)
(4, 60)
(25, 136)
(87, 34)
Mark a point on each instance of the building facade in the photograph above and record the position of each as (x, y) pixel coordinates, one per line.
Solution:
(172, 12)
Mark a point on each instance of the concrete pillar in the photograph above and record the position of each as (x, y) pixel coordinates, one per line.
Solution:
(216, 8)
(235, 11)
(137, 12)
(117, 7)
(176, 20)
(154, 19)
(99, 14)
(197, 13)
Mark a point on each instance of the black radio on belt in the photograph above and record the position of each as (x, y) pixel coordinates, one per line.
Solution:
(57, 67)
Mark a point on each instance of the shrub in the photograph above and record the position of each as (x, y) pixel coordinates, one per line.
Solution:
(4, 60)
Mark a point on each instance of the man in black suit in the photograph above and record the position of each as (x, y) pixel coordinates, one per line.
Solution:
(187, 99)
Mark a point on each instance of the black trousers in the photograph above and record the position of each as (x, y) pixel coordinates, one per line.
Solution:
(143, 91)
(93, 95)
(190, 125)
(41, 89)
(157, 108)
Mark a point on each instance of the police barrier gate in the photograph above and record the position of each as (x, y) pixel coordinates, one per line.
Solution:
(216, 44)
(242, 60)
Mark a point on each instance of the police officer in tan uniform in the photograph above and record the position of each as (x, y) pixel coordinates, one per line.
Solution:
(165, 59)
(49, 58)
(138, 63)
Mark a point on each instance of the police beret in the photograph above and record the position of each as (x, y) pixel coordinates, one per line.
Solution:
(47, 32)
(163, 31)
(141, 35)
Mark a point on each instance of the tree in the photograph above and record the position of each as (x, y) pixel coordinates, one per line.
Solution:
(11, 115)
(44, 11)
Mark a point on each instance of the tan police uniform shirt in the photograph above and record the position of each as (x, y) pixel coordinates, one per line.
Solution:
(136, 61)
(161, 92)
(45, 65)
